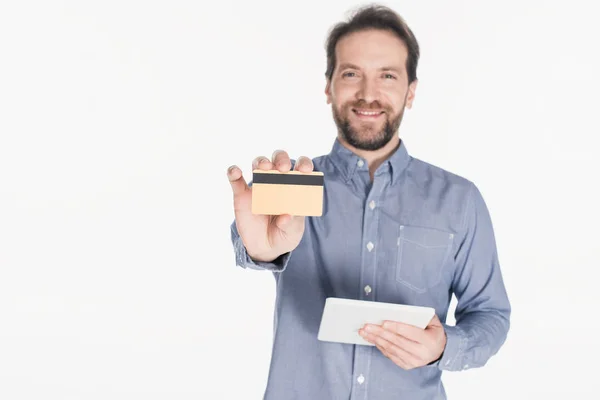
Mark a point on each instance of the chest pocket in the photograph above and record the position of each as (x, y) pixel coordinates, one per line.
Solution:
(422, 253)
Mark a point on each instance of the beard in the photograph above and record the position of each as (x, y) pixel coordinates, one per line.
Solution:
(366, 135)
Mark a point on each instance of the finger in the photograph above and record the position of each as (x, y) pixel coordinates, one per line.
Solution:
(377, 340)
(400, 362)
(411, 347)
(262, 162)
(383, 351)
(409, 360)
(283, 221)
(304, 164)
(281, 161)
(400, 356)
(411, 332)
(289, 223)
(388, 355)
(236, 179)
(390, 350)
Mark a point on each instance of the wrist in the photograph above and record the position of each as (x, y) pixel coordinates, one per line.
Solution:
(263, 257)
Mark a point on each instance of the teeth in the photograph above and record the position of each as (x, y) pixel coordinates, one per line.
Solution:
(367, 113)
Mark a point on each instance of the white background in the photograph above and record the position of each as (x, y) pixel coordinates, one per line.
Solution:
(118, 120)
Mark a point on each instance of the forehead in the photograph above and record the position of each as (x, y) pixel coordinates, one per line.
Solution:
(372, 49)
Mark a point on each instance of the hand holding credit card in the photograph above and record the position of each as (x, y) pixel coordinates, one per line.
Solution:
(270, 215)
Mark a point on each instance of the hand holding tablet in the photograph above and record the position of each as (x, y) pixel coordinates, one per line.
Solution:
(342, 318)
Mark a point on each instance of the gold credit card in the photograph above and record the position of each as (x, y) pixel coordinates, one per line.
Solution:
(293, 192)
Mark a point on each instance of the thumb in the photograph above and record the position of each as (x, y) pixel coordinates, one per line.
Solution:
(237, 181)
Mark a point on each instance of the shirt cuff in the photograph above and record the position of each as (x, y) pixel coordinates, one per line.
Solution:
(245, 261)
(456, 340)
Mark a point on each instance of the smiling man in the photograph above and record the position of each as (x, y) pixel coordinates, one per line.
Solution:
(394, 229)
(369, 92)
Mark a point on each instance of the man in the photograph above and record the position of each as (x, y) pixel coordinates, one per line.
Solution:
(394, 229)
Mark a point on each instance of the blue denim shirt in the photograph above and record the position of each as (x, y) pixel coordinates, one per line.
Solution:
(415, 235)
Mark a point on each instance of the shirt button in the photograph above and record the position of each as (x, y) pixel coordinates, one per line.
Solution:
(360, 163)
(360, 379)
(367, 289)
(370, 246)
(372, 204)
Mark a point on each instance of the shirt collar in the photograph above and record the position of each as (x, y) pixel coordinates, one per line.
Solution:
(348, 162)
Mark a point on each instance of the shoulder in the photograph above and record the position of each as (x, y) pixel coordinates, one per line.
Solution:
(428, 173)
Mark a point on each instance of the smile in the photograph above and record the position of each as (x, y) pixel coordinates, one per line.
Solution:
(367, 114)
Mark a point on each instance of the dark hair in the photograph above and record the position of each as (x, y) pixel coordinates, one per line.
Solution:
(374, 17)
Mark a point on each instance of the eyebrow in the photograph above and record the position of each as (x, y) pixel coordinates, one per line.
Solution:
(352, 66)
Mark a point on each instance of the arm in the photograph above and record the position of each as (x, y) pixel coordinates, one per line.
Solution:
(483, 309)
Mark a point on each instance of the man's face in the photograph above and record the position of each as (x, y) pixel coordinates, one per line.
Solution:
(369, 88)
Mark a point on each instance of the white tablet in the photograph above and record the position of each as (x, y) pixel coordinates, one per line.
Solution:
(342, 318)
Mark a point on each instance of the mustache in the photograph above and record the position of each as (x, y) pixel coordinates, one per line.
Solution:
(362, 105)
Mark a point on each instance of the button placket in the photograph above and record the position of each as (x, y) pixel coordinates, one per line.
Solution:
(362, 354)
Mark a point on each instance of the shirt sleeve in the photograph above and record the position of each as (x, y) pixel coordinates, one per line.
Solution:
(483, 309)
(243, 260)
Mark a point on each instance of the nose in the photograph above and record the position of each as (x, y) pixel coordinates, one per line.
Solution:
(368, 91)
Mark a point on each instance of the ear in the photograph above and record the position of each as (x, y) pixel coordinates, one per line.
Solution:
(328, 91)
(410, 96)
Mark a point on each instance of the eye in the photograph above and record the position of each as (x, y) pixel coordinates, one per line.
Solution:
(390, 76)
(345, 74)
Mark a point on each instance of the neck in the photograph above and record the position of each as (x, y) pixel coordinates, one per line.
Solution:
(374, 158)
